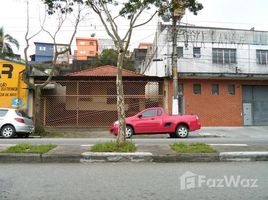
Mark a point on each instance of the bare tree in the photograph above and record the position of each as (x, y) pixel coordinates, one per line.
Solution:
(130, 10)
(62, 17)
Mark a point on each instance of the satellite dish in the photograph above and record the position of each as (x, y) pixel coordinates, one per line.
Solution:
(93, 35)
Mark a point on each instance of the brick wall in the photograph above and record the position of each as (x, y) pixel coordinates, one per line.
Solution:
(214, 110)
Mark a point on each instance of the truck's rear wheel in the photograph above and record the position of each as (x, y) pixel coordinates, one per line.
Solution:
(182, 131)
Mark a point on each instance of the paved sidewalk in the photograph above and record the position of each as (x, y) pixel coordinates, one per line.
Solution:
(145, 153)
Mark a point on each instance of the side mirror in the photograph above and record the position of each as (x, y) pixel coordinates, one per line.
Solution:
(139, 116)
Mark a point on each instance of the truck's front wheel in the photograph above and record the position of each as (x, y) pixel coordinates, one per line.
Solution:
(129, 131)
(182, 131)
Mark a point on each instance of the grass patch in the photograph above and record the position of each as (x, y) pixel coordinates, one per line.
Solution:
(113, 147)
(28, 148)
(192, 148)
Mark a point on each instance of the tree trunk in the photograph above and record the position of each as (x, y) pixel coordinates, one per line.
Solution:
(37, 108)
(121, 137)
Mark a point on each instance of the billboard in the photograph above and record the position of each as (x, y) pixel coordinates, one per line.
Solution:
(13, 90)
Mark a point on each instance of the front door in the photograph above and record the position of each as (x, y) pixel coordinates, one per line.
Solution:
(147, 122)
(247, 114)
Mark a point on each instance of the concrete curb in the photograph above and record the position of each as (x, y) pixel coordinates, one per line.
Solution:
(187, 157)
(38, 158)
(116, 157)
(244, 156)
(20, 158)
(133, 157)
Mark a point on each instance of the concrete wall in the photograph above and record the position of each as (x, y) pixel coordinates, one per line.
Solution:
(244, 41)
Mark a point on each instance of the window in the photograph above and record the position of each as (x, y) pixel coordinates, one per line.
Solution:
(196, 52)
(223, 56)
(22, 114)
(82, 43)
(180, 52)
(42, 48)
(3, 113)
(159, 112)
(215, 89)
(231, 89)
(149, 113)
(91, 43)
(262, 57)
(91, 52)
(197, 89)
(82, 52)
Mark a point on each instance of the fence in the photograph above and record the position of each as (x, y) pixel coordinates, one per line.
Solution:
(93, 103)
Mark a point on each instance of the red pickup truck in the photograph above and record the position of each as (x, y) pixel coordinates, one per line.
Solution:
(155, 121)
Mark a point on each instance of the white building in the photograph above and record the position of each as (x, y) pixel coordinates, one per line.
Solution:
(105, 44)
(222, 73)
(209, 49)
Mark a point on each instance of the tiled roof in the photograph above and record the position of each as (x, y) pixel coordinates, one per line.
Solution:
(106, 70)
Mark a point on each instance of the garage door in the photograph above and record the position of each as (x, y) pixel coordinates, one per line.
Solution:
(255, 97)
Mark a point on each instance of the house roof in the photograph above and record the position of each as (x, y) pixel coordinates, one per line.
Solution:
(106, 70)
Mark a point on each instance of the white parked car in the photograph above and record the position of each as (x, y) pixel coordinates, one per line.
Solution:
(15, 122)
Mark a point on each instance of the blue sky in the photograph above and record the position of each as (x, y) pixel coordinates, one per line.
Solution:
(220, 13)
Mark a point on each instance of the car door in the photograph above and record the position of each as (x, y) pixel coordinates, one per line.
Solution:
(147, 122)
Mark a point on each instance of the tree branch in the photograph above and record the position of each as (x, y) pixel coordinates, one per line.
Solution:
(146, 21)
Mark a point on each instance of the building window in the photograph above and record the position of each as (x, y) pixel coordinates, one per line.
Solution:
(231, 89)
(42, 48)
(196, 52)
(82, 52)
(223, 56)
(180, 52)
(91, 43)
(262, 56)
(91, 52)
(215, 89)
(82, 43)
(197, 89)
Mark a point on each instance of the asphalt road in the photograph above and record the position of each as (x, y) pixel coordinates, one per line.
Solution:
(134, 181)
(211, 135)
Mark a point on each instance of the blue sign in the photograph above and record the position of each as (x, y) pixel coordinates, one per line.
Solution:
(16, 102)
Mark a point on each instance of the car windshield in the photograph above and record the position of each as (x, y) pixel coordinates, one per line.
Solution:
(22, 114)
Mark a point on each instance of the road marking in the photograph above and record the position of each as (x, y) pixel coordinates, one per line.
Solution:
(237, 145)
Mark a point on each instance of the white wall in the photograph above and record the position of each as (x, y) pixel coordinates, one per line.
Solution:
(245, 42)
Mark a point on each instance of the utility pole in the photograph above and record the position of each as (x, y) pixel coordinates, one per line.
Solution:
(177, 14)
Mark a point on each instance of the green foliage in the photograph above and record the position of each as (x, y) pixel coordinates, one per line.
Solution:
(6, 43)
(192, 148)
(129, 8)
(28, 148)
(113, 147)
(110, 57)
